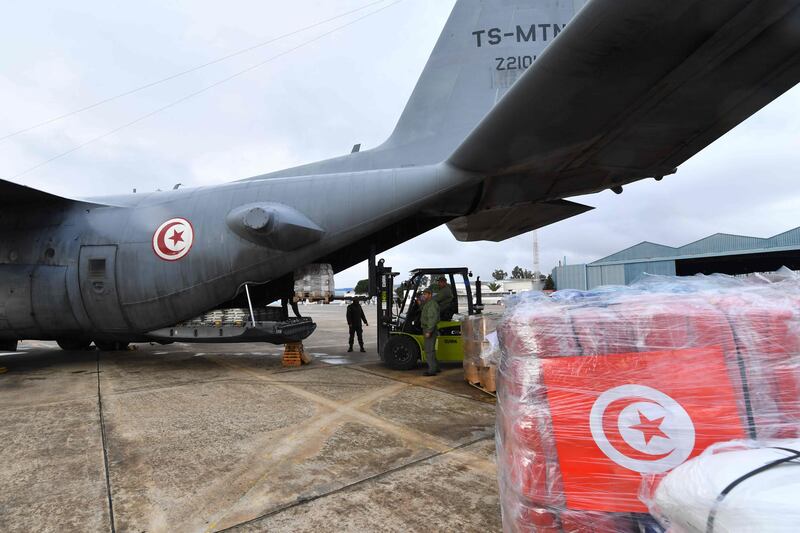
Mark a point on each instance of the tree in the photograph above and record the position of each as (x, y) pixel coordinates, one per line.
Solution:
(494, 287)
(521, 273)
(400, 292)
(499, 274)
(550, 285)
(362, 287)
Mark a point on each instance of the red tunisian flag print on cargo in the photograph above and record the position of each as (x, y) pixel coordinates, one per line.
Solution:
(617, 417)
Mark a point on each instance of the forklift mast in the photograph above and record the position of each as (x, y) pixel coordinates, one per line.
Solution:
(384, 292)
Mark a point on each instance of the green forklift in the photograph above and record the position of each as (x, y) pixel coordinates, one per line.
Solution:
(400, 338)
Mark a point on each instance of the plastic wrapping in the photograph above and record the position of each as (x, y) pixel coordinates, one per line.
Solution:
(732, 487)
(481, 349)
(597, 389)
(314, 282)
(479, 333)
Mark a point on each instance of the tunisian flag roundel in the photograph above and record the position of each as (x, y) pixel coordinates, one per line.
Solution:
(616, 417)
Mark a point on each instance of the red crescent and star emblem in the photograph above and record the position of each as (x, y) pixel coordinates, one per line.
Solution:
(173, 239)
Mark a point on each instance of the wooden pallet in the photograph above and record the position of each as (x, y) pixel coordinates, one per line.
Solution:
(294, 355)
(311, 297)
(478, 386)
(481, 377)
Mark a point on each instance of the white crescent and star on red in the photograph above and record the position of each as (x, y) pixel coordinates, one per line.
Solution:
(173, 239)
(642, 429)
(613, 427)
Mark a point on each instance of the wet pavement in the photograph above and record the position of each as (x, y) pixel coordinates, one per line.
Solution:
(222, 437)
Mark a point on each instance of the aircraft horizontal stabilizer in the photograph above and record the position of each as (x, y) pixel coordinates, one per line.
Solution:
(12, 194)
(632, 89)
(503, 223)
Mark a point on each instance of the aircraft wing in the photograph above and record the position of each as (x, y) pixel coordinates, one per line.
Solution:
(13, 194)
(632, 89)
(501, 223)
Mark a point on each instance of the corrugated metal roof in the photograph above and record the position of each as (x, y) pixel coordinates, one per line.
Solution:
(643, 250)
(721, 243)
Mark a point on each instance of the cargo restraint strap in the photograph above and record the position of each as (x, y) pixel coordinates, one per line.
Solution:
(794, 455)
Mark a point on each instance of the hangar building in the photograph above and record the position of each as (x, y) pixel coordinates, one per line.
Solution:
(720, 253)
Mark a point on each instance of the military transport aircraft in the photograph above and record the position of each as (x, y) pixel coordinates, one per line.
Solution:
(522, 104)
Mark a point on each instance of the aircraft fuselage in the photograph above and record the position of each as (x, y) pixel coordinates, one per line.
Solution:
(153, 260)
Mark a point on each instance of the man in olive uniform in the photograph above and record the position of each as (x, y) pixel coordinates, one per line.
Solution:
(429, 320)
(355, 316)
(444, 298)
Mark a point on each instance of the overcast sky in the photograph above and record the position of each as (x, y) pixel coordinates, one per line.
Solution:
(316, 102)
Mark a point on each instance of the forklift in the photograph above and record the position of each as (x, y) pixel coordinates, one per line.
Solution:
(400, 338)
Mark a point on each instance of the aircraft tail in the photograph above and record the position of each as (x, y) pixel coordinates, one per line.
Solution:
(485, 47)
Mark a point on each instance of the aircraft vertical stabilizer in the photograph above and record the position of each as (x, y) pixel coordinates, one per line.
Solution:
(485, 47)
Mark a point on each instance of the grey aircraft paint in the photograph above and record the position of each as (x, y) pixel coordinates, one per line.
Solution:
(520, 106)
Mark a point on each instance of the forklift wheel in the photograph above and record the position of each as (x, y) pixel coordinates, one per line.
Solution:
(74, 345)
(401, 353)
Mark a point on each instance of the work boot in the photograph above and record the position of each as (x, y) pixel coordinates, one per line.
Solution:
(350, 349)
(363, 350)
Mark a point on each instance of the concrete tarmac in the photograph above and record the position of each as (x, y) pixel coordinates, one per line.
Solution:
(221, 437)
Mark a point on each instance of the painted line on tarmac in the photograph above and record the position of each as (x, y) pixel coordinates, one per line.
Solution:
(288, 448)
(413, 437)
(454, 450)
(423, 385)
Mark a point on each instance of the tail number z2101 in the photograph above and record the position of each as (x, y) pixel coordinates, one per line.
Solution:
(514, 63)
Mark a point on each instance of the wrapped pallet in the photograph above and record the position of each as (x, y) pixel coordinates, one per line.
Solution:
(481, 349)
(598, 389)
(314, 282)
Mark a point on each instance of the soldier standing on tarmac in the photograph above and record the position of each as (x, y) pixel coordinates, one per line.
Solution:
(430, 321)
(355, 316)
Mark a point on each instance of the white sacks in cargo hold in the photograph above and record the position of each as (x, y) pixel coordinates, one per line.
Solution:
(598, 389)
(314, 282)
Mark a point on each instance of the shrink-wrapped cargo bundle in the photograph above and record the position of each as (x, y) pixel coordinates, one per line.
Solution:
(480, 339)
(597, 389)
(314, 282)
(481, 348)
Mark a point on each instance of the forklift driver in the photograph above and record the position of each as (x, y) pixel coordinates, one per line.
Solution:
(444, 298)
